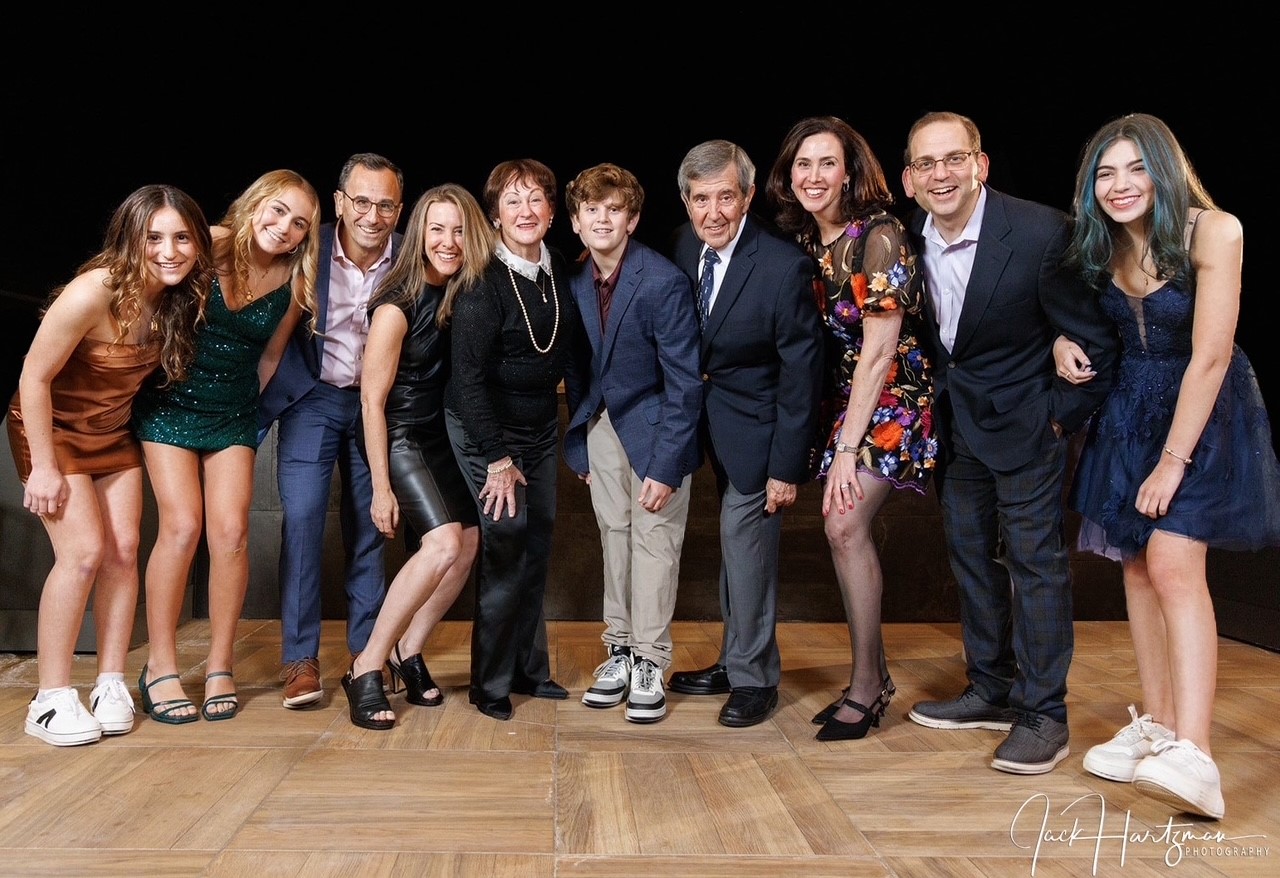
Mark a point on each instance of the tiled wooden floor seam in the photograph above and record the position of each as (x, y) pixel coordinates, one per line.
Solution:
(567, 790)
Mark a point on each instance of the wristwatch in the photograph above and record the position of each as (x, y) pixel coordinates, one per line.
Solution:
(846, 449)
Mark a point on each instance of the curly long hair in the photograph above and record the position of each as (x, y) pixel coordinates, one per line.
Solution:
(304, 261)
(1177, 189)
(124, 256)
(407, 277)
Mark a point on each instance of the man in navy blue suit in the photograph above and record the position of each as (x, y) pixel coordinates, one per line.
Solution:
(634, 398)
(761, 361)
(998, 296)
(315, 396)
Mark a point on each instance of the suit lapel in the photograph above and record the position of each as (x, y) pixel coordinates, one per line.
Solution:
(583, 286)
(623, 292)
(735, 278)
(989, 262)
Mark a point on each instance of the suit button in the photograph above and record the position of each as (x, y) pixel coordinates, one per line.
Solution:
(706, 377)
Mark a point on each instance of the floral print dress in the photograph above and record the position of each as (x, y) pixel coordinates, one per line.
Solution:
(871, 269)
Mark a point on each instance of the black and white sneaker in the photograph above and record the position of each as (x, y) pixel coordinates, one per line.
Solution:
(61, 720)
(646, 703)
(612, 679)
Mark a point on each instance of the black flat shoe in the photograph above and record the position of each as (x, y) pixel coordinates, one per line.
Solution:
(498, 708)
(545, 689)
(366, 698)
(411, 674)
(705, 681)
(837, 730)
(748, 705)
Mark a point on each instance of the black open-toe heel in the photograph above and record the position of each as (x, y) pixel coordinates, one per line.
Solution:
(366, 698)
(412, 675)
(836, 730)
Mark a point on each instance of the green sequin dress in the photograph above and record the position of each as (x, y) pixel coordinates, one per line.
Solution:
(217, 406)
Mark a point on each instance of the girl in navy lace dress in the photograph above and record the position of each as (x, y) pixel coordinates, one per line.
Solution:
(1180, 456)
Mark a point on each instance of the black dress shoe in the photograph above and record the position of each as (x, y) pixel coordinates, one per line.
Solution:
(748, 705)
(545, 689)
(498, 708)
(708, 681)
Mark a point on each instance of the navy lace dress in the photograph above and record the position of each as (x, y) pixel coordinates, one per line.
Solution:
(1230, 495)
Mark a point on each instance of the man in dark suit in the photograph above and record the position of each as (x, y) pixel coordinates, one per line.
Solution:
(761, 354)
(315, 395)
(998, 295)
(634, 399)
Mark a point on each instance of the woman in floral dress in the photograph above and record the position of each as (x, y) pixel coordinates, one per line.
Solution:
(877, 434)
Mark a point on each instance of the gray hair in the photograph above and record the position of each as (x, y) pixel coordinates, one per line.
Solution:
(709, 158)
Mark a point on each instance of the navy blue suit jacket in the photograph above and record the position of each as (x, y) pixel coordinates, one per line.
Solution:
(642, 367)
(999, 384)
(299, 368)
(761, 356)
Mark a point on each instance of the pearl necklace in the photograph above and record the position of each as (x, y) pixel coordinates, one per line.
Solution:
(555, 327)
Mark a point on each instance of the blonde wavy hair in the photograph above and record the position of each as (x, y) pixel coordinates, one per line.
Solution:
(304, 259)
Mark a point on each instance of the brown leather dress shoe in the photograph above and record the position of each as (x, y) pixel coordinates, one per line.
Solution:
(302, 683)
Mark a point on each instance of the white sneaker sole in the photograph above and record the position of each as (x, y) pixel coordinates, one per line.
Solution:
(303, 700)
(1031, 767)
(952, 724)
(603, 699)
(1161, 793)
(67, 739)
(645, 714)
(119, 727)
(1119, 769)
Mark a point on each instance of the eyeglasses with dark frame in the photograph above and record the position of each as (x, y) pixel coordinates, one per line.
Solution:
(362, 205)
(952, 162)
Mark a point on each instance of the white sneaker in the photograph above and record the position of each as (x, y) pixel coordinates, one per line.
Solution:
(62, 720)
(1180, 774)
(613, 675)
(1118, 758)
(112, 707)
(647, 703)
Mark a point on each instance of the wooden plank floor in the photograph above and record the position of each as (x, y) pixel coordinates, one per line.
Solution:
(564, 790)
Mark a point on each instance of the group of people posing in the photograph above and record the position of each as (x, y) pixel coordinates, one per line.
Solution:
(964, 343)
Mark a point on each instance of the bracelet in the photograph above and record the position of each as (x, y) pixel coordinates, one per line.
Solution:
(1186, 461)
(494, 470)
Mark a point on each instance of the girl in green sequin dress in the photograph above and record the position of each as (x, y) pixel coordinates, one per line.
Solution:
(200, 435)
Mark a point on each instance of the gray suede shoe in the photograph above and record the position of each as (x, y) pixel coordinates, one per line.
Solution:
(968, 711)
(1036, 744)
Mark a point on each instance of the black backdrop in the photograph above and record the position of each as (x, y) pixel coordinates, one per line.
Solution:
(71, 153)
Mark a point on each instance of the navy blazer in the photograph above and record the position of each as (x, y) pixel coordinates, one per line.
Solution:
(299, 368)
(999, 382)
(642, 368)
(761, 355)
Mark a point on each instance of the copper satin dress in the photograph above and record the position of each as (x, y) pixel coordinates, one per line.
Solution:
(92, 399)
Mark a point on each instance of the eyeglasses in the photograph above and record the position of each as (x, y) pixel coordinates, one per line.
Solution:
(953, 162)
(362, 205)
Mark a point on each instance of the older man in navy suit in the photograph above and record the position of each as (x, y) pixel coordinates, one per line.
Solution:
(998, 295)
(761, 356)
(315, 395)
(634, 400)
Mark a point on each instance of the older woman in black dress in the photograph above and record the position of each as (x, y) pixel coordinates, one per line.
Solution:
(415, 477)
(512, 335)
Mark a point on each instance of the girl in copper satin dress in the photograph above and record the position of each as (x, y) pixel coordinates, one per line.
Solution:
(129, 310)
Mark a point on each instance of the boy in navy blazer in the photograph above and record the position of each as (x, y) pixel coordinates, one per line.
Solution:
(634, 399)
